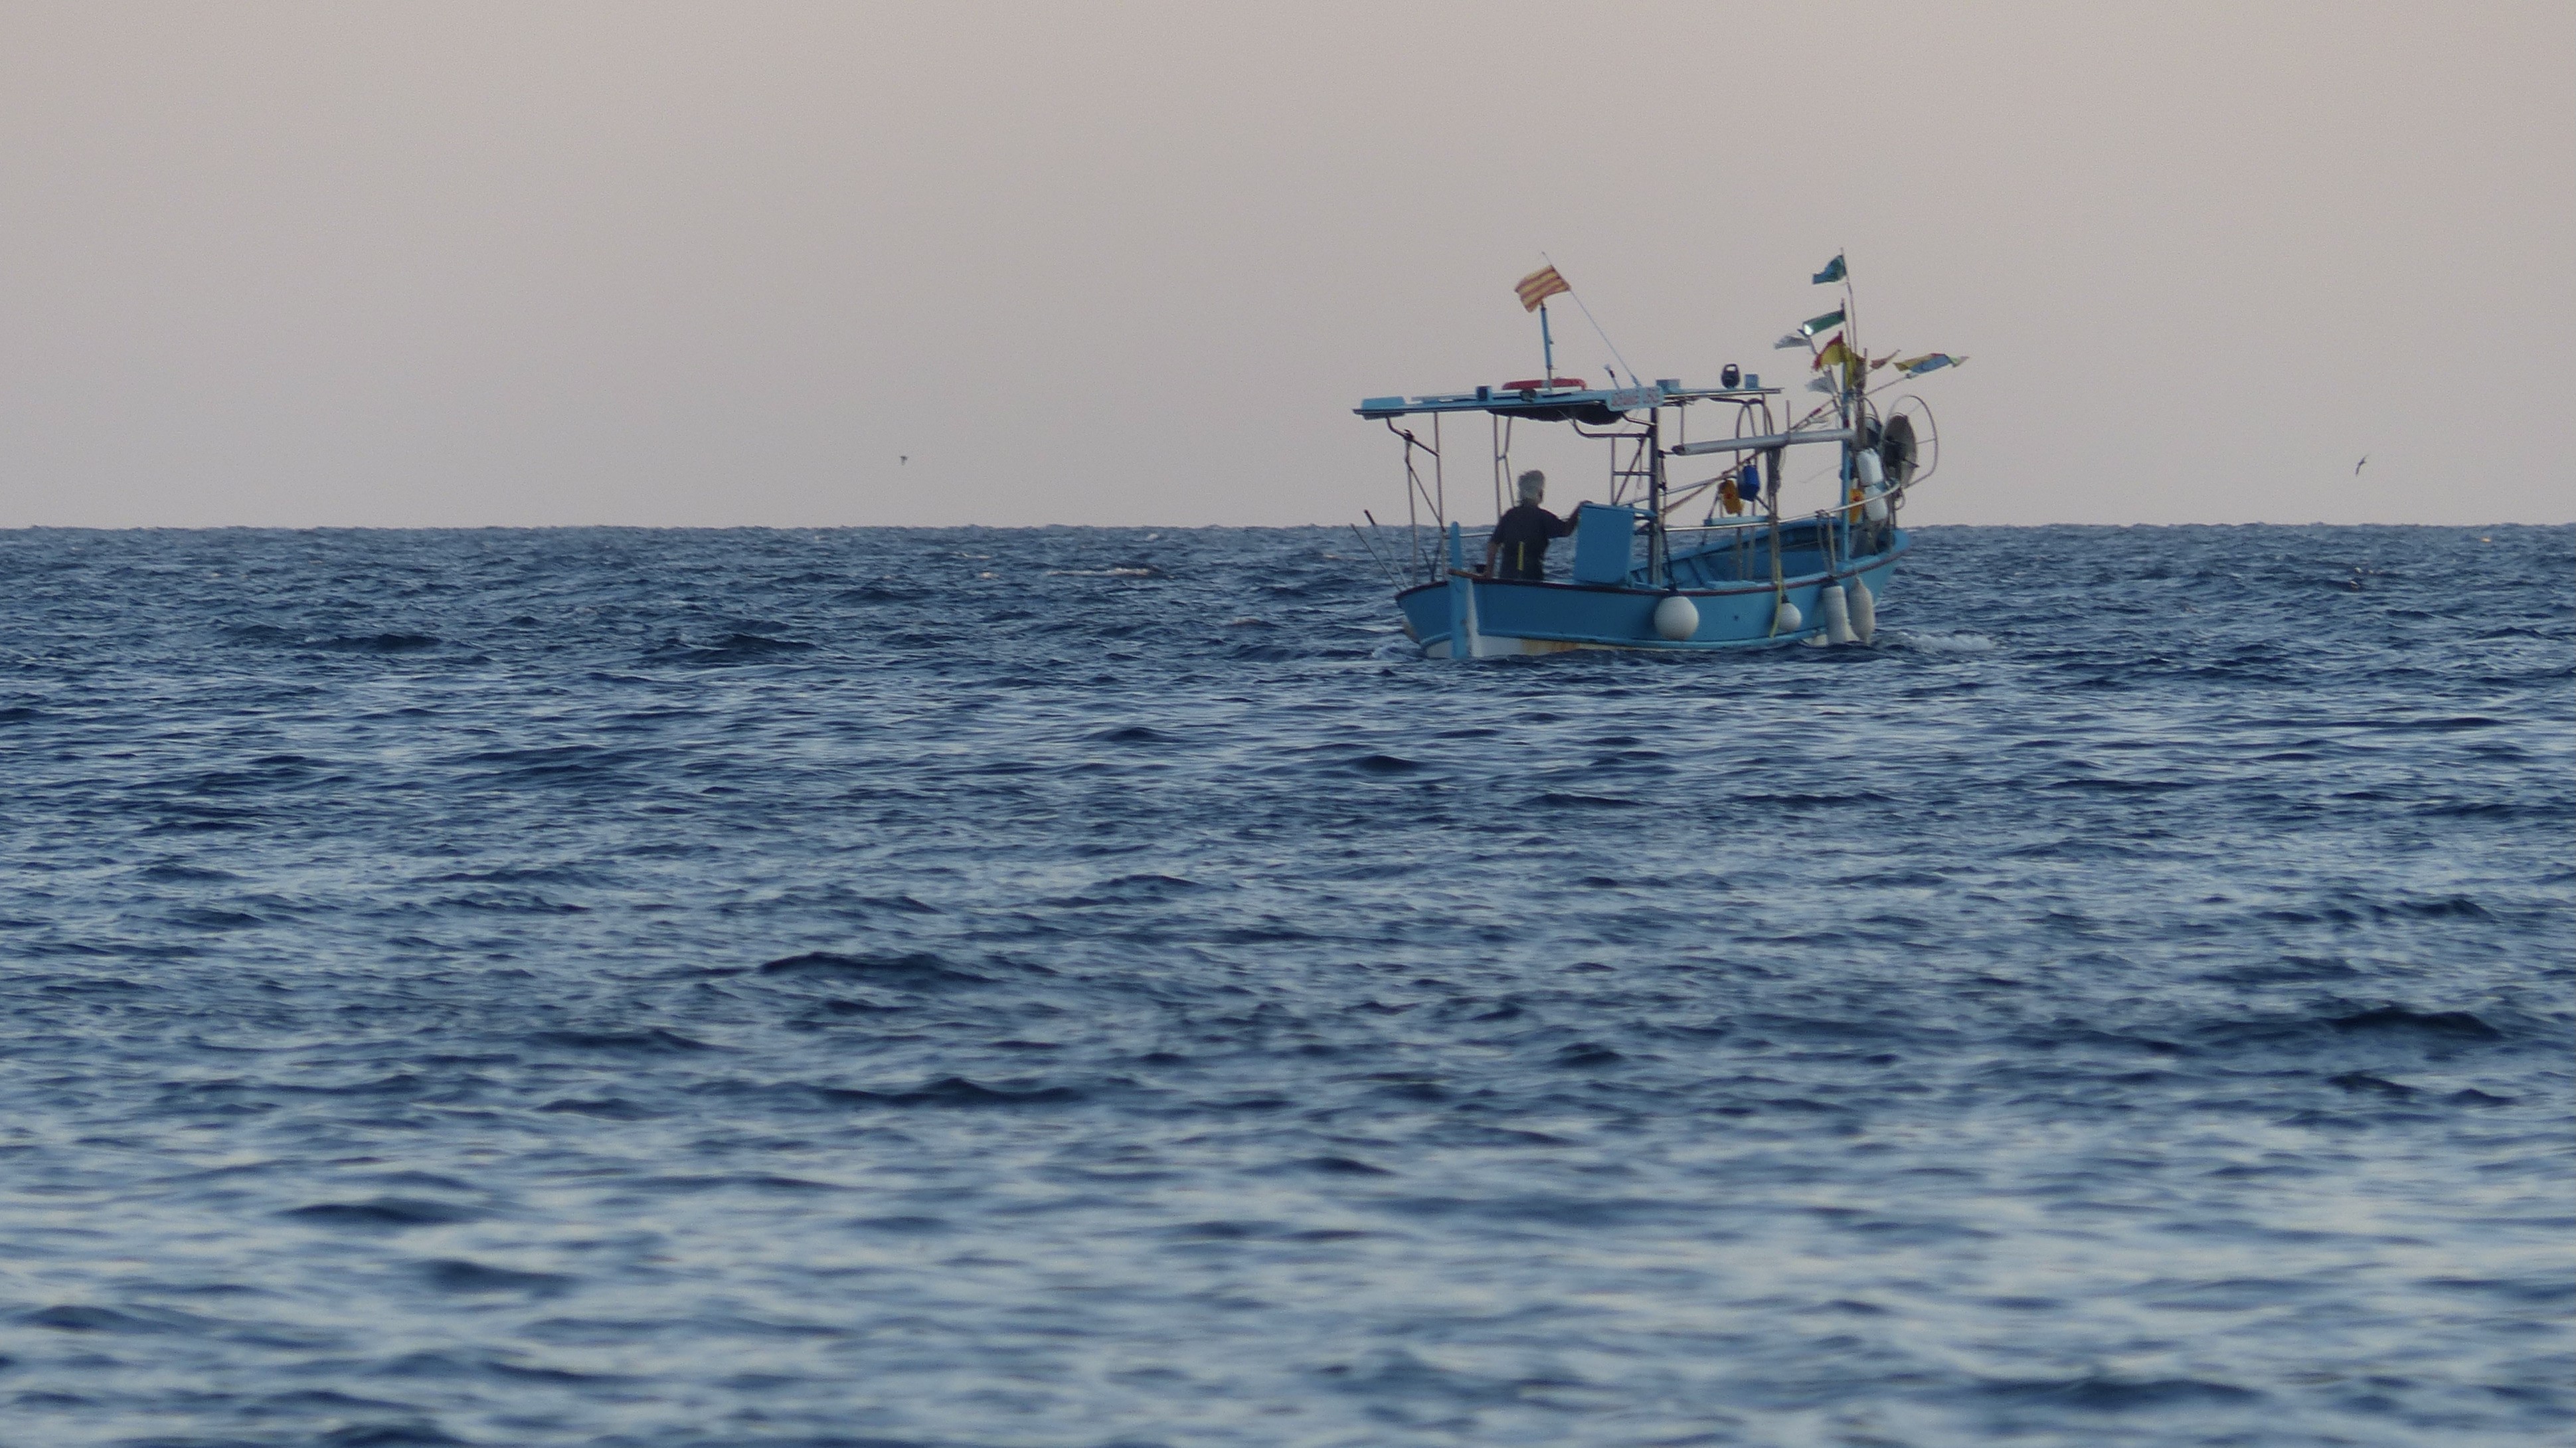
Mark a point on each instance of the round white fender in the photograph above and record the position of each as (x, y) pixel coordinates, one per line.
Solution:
(1863, 610)
(1787, 619)
(1676, 618)
(1837, 613)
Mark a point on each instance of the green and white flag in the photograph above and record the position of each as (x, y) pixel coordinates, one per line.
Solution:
(1813, 325)
(1833, 271)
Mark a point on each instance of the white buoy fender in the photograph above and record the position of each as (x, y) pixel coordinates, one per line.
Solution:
(1873, 483)
(1837, 613)
(1676, 618)
(1786, 620)
(1863, 610)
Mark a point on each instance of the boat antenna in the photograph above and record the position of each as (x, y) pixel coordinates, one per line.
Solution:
(1587, 316)
(1851, 309)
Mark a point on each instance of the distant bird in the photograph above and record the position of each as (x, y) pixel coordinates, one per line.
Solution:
(2356, 467)
(901, 458)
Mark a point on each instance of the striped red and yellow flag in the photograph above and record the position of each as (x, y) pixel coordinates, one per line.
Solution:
(1538, 286)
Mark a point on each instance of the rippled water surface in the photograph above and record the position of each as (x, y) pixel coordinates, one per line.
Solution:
(1093, 987)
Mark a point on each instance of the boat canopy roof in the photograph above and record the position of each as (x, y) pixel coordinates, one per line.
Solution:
(1553, 404)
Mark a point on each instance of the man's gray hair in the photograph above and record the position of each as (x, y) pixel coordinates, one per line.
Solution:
(1533, 486)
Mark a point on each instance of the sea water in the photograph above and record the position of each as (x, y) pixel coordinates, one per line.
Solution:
(1087, 987)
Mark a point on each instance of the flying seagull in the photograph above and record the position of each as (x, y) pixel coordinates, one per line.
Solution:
(901, 458)
(2356, 467)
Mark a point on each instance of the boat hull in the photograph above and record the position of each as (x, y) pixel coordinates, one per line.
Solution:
(1505, 617)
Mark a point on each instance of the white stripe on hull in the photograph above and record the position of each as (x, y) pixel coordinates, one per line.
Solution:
(1492, 646)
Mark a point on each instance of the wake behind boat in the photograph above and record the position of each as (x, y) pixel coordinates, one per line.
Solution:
(1747, 575)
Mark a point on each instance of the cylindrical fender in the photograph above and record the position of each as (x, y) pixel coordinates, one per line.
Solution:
(1837, 611)
(1862, 608)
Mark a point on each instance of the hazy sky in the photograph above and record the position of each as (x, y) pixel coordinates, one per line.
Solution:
(523, 263)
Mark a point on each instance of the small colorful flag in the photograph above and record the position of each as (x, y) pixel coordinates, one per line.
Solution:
(1833, 354)
(1813, 325)
(1792, 340)
(1928, 362)
(1538, 286)
(1833, 271)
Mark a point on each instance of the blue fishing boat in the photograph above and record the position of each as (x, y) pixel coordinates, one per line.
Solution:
(1749, 574)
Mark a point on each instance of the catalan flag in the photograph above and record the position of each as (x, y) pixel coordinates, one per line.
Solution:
(1538, 286)
(1832, 354)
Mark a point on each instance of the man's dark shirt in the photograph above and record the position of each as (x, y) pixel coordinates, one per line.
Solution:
(1521, 538)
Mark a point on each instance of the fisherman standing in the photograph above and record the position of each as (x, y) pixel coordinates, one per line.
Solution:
(1521, 538)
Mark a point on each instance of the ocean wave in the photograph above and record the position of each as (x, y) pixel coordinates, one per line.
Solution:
(792, 985)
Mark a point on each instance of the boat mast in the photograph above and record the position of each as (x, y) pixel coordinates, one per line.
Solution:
(1771, 460)
(1854, 378)
(1655, 545)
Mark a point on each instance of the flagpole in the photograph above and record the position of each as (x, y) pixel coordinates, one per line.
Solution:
(1547, 344)
(1852, 408)
(1851, 313)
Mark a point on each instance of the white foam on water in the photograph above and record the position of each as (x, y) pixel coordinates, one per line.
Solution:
(1941, 643)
